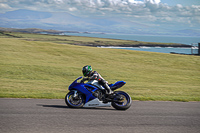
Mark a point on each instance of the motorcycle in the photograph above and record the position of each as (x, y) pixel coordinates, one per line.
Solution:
(92, 94)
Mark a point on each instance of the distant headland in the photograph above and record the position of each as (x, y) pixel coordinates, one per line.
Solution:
(96, 42)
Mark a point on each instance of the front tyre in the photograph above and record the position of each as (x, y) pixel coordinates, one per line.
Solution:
(121, 101)
(74, 102)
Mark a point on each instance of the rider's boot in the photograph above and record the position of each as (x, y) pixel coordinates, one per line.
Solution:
(109, 92)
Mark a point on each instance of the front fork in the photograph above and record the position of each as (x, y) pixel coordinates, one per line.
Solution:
(75, 94)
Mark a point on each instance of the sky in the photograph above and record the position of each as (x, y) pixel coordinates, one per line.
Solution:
(158, 13)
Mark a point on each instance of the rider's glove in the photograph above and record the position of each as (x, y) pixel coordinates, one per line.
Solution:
(82, 81)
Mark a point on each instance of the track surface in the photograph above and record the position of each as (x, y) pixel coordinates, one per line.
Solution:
(53, 116)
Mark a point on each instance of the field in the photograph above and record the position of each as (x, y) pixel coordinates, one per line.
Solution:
(43, 66)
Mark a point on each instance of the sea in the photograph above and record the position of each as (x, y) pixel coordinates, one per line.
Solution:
(150, 38)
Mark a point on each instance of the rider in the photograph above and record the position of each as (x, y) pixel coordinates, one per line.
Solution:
(94, 75)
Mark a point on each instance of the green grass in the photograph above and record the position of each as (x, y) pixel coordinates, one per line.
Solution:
(45, 69)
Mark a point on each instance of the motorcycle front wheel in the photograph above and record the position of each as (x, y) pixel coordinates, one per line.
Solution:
(74, 102)
(121, 101)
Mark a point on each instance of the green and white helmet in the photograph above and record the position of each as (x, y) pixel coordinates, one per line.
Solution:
(86, 70)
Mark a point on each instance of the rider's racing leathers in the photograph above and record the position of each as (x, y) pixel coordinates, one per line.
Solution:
(96, 76)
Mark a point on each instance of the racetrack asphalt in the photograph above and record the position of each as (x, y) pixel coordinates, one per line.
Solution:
(53, 116)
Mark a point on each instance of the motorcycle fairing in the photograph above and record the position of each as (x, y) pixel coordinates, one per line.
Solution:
(96, 103)
(81, 87)
(117, 85)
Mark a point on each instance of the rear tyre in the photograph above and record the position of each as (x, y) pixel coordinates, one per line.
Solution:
(74, 102)
(121, 101)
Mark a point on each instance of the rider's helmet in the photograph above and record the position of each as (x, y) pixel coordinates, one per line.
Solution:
(86, 70)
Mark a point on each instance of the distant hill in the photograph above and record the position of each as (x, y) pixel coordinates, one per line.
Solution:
(26, 14)
(64, 21)
(31, 30)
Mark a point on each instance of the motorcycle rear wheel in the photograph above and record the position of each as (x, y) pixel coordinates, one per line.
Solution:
(74, 102)
(121, 104)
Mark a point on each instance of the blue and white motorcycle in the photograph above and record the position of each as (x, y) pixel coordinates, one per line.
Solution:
(91, 94)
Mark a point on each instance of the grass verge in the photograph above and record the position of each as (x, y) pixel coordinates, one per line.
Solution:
(44, 69)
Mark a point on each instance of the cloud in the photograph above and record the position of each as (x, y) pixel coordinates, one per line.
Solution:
(134, 10)
(73, 9)
(153, 1)
(5, 7)
(65, 5)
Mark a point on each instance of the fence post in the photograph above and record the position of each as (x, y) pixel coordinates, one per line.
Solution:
(199, 49)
